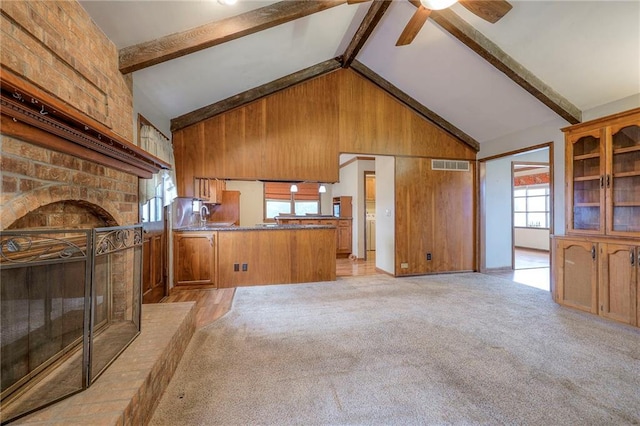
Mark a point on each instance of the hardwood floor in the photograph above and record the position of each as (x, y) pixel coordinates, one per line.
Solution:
(352, 268)
(531, 268)
(528, 259)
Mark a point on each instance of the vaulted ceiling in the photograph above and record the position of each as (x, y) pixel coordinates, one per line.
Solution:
(543, 60)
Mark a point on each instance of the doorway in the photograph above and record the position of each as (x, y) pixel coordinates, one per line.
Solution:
(499, 211)
(531, 189)
(370, 215)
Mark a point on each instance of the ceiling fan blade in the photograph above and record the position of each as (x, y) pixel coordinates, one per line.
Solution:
(489, 10)
(356, 1)
(413, 26)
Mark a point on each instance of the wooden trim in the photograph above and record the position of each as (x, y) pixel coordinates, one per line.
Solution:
(354, 159)
(142, 121)
(517, 151)
(368, 24)
(153, 52)
(416, 106)
(490, 52)
(602, 121)
(253, 94)
(25, 132)
(23, 102)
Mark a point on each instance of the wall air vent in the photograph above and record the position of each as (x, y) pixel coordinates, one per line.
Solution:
(456, 165)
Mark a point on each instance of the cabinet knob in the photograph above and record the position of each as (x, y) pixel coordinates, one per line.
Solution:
(593, 252)
(602, 181)
(632, 256)
(608, 181)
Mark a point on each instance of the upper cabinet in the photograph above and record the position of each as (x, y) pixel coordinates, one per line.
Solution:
(603, 176)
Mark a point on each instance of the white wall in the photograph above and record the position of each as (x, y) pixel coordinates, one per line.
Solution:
(251, 200)
(142, 105)
(498, 210)
(532, 238)
(620, 105)
(385, 214)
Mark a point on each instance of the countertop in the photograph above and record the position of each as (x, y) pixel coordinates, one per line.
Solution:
(310, 217)
(259, 227)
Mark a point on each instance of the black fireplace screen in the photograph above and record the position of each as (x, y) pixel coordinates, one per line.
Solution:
(70, 304)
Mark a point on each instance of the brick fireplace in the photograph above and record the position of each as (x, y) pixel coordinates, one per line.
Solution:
(67, 160)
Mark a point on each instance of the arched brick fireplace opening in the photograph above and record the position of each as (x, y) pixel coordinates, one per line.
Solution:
(66, 214)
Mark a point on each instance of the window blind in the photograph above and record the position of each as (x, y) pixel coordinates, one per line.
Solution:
(282, 191)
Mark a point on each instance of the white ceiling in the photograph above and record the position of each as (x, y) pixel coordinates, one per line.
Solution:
(588, 51)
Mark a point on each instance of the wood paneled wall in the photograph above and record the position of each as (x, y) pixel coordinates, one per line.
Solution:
(434, 214)
(298, 134)
(373, 122)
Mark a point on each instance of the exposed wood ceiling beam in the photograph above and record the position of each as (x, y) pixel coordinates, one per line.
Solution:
(143, 55)
(371, 19)
(489, 51)
(254, 94)
(414, 105)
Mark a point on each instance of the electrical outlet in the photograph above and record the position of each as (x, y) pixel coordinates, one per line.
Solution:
(404, 265)
(245, 267)
(428, 256)
(236, 267)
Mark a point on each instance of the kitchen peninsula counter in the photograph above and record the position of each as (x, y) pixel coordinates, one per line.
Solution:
(267, 227)
(232, 256)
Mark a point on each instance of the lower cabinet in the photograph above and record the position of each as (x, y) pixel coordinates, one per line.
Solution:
(194, 259)
(598, 276)
(276, 256)
(619, 283)
(344, 237)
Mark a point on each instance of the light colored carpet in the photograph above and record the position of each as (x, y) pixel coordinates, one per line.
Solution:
(448, 349)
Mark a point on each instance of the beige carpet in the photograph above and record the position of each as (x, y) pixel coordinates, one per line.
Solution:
(466, 349)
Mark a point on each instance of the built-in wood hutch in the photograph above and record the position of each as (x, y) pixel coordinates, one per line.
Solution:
(596, 263)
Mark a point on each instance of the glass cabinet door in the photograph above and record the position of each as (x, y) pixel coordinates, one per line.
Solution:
(586, 183)
(623, 181)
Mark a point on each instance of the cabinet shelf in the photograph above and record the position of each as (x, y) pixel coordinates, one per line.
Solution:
(587, 204)
(627, 204)
(627, 149)
(626, 174)
(586, 178)
(586, 156)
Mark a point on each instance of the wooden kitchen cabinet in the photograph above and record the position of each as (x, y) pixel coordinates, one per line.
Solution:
(276, 256)
(603, 176)
(576, 274)
(602, 166)
(194, 255)
(618, 282)
(209, 189)
(598, 277)
(344, 237)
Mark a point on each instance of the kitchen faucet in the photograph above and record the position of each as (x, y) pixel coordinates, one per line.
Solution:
(204, 210)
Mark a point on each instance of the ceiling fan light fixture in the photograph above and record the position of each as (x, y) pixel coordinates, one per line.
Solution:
(227, 2)
(437, 4)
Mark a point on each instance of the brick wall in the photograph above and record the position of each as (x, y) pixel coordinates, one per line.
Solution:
(57, 47)
(33, 177)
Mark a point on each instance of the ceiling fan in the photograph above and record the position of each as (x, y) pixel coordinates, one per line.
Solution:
(489, 10)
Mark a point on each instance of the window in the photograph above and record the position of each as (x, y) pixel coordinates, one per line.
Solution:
(151, 211)
(531, 206)
(278, 199)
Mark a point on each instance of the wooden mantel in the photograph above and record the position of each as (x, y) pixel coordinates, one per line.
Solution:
(33, 115)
